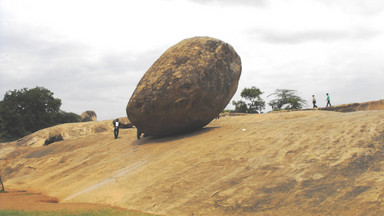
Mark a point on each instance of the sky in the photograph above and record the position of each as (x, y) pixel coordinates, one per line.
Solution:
(92, 53)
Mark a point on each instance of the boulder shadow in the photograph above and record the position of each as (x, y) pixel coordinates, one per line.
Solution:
(157, 140)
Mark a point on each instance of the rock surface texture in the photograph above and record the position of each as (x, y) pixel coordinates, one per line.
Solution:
(187, 87)
(88, 116)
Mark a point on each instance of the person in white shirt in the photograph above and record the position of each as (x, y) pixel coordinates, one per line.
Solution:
(314, 101)
(116, 131)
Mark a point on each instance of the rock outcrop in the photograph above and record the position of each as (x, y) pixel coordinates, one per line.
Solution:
(353, 107)
(88, 116)
(65, 131)
(187, 87)
(53, 138)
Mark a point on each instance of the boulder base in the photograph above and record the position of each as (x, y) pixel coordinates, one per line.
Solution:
(187, 87)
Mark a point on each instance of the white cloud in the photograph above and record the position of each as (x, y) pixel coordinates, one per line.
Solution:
(233, 3)
(325, 35)
(92, 53)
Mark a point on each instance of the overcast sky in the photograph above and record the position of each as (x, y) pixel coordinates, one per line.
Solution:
(92, 53)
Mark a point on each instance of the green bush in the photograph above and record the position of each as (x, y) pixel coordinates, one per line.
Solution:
(253, 104)
(287, 99)
(26, 110)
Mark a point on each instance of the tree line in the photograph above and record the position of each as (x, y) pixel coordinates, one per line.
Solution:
(26, 110)
(284, 99)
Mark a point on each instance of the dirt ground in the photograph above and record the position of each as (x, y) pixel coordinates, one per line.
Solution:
(30, 201)
(285, 163)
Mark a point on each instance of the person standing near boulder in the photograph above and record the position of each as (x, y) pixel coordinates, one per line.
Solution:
(116, 125)
(2, 185)
(138, 133)
(314, 101)
(328, 100)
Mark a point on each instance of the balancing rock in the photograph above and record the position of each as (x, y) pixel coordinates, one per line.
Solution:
(186, 88)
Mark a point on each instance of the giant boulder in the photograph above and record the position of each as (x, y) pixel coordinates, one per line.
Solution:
(187, 87)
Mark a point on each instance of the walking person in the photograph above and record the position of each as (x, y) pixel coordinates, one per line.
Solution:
(314, 101)
(328, 100)
(117, 126)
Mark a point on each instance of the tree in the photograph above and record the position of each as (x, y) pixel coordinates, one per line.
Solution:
(287, 99)
(240, 106)
(255, 103)
(26, 110)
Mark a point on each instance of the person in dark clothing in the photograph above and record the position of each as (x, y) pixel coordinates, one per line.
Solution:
(116, 131)
(2, 185)
(314, 101)
(328, 100)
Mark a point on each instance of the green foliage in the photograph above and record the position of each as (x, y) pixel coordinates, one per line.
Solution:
(286, 99)
(240, 106)
(227, 111)
(64, 117)
(253, 104)
(26, 110)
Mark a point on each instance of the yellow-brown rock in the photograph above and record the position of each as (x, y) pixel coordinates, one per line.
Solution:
(88, 116)
(187, 87)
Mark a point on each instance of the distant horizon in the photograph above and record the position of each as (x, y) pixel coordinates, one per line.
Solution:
(306, 108)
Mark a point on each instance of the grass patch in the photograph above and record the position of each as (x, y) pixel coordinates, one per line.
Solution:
(101, 212)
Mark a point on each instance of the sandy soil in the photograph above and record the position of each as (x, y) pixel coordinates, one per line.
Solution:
(289, 163)
(29, 201)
